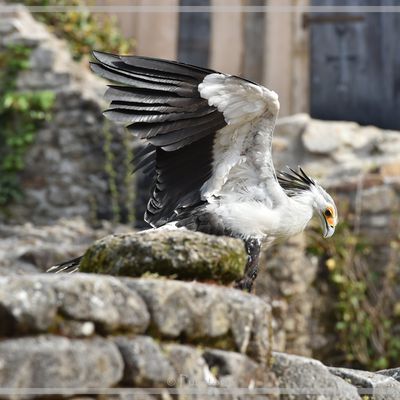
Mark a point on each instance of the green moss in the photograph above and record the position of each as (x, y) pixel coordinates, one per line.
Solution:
(183, 256)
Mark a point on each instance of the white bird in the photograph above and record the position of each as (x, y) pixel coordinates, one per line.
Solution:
(209, 138)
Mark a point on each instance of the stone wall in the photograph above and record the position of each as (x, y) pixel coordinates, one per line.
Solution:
(105, 337)
(360, 166)
(68, 168)
(66, 177)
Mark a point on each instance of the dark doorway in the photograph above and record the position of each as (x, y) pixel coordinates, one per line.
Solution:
(194, 34)
(355, 65)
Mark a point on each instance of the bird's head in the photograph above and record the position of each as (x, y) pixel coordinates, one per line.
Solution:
(326, 209)
(297, 183)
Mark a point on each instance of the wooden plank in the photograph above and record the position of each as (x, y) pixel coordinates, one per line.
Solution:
(278, 65)
(226, 47)
(300, 85)
(157, 32)
(254, 38)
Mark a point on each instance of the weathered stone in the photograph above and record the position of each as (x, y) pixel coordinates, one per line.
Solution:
(42, 59)
(78, 106)
(392, 372)
(27, 305)
(376, 386)
(189, 365)
(236, 370)
(284, 282)
(32, 79)
(102, 300)
(178, 252)
(377, 221)
(55, 362)
(390, 144)
(310, 378)
(74, 329)
(378, 199)
(199, 313)
(41, 303)
(362, 139)
(321, 137)
(145, 363)
(344, 141)
(292, 126)
(19, 268)
(16, 39)
(8, 26)
(36, 248)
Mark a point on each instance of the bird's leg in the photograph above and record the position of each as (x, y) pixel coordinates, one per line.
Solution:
(253, 248)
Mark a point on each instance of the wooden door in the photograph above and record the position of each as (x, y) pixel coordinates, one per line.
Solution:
(355, 65)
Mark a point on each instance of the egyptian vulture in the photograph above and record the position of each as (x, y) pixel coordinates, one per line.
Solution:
(208, 139)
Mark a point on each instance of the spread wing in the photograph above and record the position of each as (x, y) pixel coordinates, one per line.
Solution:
(198, 125)
(242, 150)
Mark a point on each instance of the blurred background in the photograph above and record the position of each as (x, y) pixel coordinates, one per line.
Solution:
(65, 172)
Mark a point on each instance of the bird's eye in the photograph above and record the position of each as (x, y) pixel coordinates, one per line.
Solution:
(328, 213)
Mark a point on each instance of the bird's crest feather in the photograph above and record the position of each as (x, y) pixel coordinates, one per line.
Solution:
(295, 182)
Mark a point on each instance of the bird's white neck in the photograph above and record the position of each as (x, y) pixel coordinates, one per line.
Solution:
(305, 199)
(297, 214)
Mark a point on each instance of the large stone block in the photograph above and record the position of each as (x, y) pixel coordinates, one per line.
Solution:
(103, 300)
(47, 303)
(199, 313)
(145, 363)
(190, 366)
(236, 370)
(26, 305)
(169, 252)
(54, 363)
(310, 379)
(376, 386)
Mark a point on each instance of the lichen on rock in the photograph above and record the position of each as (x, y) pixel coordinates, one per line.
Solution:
(180, 253)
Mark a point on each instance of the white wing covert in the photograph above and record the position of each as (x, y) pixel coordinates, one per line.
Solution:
(242, 149)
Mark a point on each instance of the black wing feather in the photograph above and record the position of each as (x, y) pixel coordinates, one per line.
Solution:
(129, 116)
(160, 102)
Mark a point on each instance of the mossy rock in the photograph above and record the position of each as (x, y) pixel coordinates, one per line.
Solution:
(183, 254)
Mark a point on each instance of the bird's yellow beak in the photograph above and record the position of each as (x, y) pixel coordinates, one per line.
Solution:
(328, 225)
(329, 230)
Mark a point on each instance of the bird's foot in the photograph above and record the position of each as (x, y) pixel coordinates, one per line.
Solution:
(245, 284)
(253, 248)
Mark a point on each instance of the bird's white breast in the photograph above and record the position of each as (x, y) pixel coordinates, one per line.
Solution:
(250, 218)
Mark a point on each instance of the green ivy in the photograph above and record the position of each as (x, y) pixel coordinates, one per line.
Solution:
(82, 30)
(364, 305)
(21, 114)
